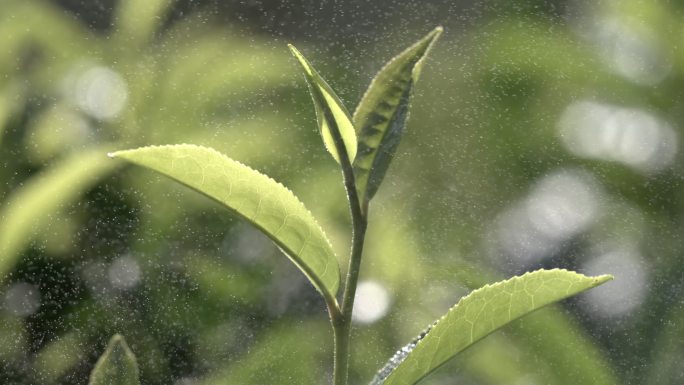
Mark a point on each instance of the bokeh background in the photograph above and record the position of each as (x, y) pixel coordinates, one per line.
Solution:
(542, 134)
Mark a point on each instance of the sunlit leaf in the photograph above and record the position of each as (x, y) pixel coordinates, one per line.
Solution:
(334, 121)
(116, 366)
(28, 209)
(544, 335)
(381, 115)
(479, 314)
(266, 204)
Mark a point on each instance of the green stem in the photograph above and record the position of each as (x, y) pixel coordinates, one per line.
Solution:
(342, 324)
(341, 355)
(341, 317)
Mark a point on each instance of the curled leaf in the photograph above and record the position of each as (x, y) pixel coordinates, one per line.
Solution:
(334, 121)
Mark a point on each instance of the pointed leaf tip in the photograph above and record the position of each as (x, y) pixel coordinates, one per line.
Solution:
(480, 313)
(381, 115)
(116, 366)
(255, 197)
(334, 121)
(604, 278)
(438, 30)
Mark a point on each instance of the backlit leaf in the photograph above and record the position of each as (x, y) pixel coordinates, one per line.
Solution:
(381, 115)
(266, 204)
(334, 121)
(479, 314)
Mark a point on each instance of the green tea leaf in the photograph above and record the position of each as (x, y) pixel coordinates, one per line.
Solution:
(334, 121)
(31, 207)
(381, 115)
(266, 204)
(545, 335)
(477, 315)
(116, 366)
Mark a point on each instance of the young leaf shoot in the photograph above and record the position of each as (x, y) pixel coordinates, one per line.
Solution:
(380, 119)
(381, 115)
(334, 121)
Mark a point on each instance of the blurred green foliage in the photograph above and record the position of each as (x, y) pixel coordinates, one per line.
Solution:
(204, 299)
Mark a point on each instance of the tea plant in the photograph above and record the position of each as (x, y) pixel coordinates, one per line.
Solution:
(363, 145)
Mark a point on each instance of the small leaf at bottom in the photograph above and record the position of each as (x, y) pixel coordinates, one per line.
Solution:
(116, 366)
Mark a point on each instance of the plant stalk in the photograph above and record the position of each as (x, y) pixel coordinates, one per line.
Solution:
(342, 324)
(341, 317)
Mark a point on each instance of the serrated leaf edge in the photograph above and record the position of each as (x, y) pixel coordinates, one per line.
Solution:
(599, 279)
(368, 191)
(325, 237)
(312, 76)
(436, 32)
